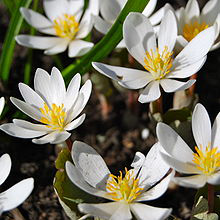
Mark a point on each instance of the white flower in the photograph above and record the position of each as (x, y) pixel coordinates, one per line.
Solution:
(204, 163)
(15, 195)
(2, 104)
(52, 105)
(157, 58)
(64, 23)
(142, 183)
(110, 10)
(191, 21)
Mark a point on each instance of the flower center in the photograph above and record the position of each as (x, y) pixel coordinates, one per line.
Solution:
(123, 188)
(207, 161)
(158, 64)
(66, 26)
(53, 118)
(192, 29)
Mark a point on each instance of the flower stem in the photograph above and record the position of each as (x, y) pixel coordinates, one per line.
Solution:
(191, 90)
(69, 144)
(157, 106)
(211, 197)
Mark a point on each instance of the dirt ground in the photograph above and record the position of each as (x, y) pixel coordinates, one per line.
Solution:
(116, 138)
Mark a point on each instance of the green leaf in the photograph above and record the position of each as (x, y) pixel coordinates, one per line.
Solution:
(9, 42)
(108, 42)
(10, 5)
(200, 211)
(172, 115)
(69, 194)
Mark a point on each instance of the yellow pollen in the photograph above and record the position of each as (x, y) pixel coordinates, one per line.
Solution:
(66, 26)
(192, 29)
(53, 118)
(207, 161)
(158, 64)
(123, 188)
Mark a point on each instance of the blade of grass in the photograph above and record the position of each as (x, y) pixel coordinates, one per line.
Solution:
(10, 5)
(28, 64)
(108, 42)
(9, 42)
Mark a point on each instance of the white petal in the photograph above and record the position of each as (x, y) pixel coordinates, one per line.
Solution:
(139, 36)
(173, 144)
(181, 42)
(26, 108)
(38, 42)
(53, 138)
(201, 126)
(197, 48)
(58, 48)
(76, 177)
(149, 8)
(55, 8)
(5, 164)
(30, 96)
(16, 195)
(16, 131)
(216, 132)
(42, 86)
(76, 123)
(2, 104)
(57, 85)
(128, 78)
(195, 181)
(154, 168)
(210, 11)
(159, 14)
(75, 8)
(171, 85)
(143, 212)
(90, 164)
(168, 32)
(123, 212)
(79, 48)
(85, 26)
(30, 126)
(35, 19)
(111, 210)
(101, 25)
(150, 93)
(138, 162)
(182, 167)
(72, 91)
(185, 70)
(192, 11)
(158, 190)
(81, 101)
(110, 10)
(214, 179)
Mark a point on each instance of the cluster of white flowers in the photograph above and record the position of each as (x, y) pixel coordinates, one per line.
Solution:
(57, 109)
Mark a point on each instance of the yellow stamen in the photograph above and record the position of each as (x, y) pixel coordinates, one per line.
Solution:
(123, 188)
(158, 64)
(53, 118)
(66, 26)
(192, 29)
(208, 160)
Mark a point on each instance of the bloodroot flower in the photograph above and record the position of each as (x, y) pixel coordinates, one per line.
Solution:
(157, 58)
(144, 182)
(110, 10)
(64, 22)
(191, 21)
(15, 195)
(51, 104)
(203, 165)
